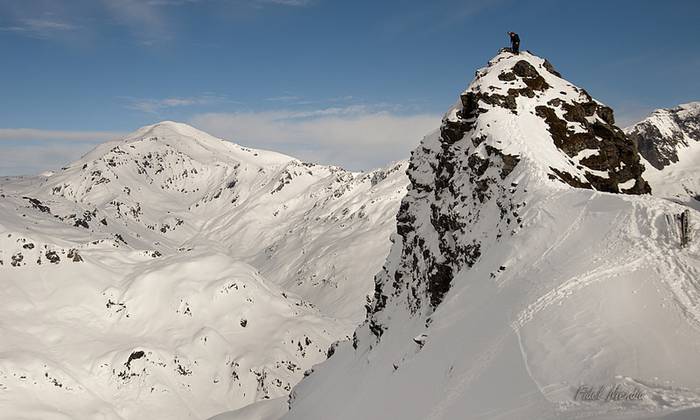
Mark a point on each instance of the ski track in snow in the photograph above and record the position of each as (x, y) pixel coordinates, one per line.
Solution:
(265, 270)
(681, 278)
(477, 368)
(592, 284)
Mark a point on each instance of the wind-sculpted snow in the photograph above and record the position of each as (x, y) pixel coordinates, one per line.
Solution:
(164, 338)
(528, 264)
(174, 275)
(669, 141)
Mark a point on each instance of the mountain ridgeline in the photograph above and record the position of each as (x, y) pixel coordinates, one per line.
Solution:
(669, 142)
(517, 118)
(528, 246)
(527, 243)
(179, 275)
(665, 131)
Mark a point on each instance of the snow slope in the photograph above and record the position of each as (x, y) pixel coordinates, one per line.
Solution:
(171, 274)
(521, 272)
(669, 142)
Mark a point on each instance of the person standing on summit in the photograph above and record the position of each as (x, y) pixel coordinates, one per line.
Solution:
(514, 42)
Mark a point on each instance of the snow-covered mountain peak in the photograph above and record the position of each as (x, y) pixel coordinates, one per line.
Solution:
(169, 184)
(182, 275)
(169, 127)
(669, 142)
(170, 160)
(664, 131)
(523, 255)
(521, 108)
(199, 144)
(689, 110)
(518, 127)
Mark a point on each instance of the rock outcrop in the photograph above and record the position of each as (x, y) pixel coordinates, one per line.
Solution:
(523, 254)
(518, 112)
(661, 135)
(669, 142)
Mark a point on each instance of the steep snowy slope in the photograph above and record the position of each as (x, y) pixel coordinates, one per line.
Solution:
(174, 275)
(520, 274)
(669, 141)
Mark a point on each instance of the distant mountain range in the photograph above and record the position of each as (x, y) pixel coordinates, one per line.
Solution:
(175, 275)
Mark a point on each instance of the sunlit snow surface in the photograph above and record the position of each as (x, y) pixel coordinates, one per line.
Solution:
(173, 275)
(677, 131)
(590, 289)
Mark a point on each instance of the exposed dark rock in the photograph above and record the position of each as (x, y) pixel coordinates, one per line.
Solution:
(661, 149)
(134, 356)
(17, 259)
(74, 255)
(550, 68)
(530, 76)
(504, 101)
(508, 161)
(183, 370)
(81, 223)
(38, 205)
(331, 350)
(53, 257)
(525, 70)
(465, 171)
(616, 155)
(118, 238)
(87, 217)
(507, 76)
(569, 179)
(439, 280)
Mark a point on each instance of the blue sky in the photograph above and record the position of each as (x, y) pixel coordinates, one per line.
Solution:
(355, 83)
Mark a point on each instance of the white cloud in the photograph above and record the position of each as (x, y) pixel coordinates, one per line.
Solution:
(150, 22)
(146, 20)
(154, 106)
(356, 137)
(30, 151)
(32, 160)
(170, 2)
(284, 98)
(18, 134)
(293, 3)
(39, 28)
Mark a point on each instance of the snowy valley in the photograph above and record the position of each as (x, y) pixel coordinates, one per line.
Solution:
(528, 247)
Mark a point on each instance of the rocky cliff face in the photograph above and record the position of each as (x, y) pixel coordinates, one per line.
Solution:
(669, 141)
(663, 134)
(518, 118)
(522, 255)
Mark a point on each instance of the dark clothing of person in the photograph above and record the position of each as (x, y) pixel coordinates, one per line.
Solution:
(515, 43)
